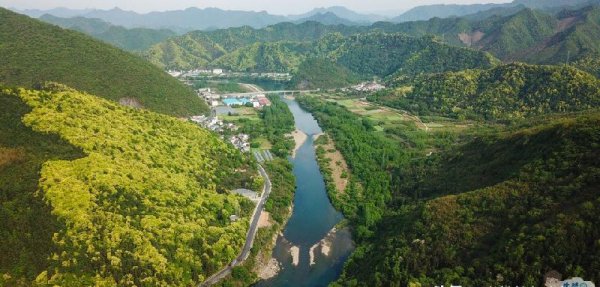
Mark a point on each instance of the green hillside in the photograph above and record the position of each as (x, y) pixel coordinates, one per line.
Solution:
(184, 52)
(516, 33)
(580, 38)
(321, 73)
(34, 52)
(366, 55)
(266, 57)
(489, 205)
(513, 33)
(589, 64)
(136, 39)
(200, 48)
(512, 91)
(382, 54)
(99, 194)
(85, 25)
(507, 226)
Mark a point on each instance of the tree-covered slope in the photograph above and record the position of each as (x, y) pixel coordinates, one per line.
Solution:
(135, 40)
(266, 57)
(366, 55)
(578, 38)
(315, 73)
(512, 33)
(383, 54)
(82, 24)
(99, 194)
(34, 52)
(511, 91)
(500, 205)
(517, 32)
(509, 231)
(200, 48)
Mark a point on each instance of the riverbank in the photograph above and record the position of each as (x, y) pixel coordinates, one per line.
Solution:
(332, 163)
(299, 138)
(312, 219)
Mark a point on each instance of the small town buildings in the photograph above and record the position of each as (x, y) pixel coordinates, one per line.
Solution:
(263, 101)
(236, 102)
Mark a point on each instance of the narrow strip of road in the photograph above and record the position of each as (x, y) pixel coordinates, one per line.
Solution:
(249, 237)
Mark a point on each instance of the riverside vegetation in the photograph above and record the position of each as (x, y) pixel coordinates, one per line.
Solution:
(486, 206)
(276, 122)
(500, 193)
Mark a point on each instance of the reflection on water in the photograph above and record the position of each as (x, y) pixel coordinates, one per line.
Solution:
(312, 221)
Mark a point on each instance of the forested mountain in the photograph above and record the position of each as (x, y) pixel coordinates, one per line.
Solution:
(264, 57)
(443, 11)
(341, 12)
(135, 40)
(180, 21)
(511, 34)
(328, 18)
(428, 12)
(200, 48)
(369, 54)
(34, 52)
(490, 207)
(94, 193)
(514, 197)
(320, 73)
(382, 54)
(511, 91)
(528, 35)
(86, 25)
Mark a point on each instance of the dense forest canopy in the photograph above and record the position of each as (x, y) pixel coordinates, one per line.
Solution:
(506, 92)
(486, 210)
(133, 198)
(34, 52)
(501, 227)
(515, 33)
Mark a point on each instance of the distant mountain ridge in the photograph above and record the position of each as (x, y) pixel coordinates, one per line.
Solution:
(341, 12)
(190, 19)
(329, 18)
(511, 34)
(135, 40)
(455, 10)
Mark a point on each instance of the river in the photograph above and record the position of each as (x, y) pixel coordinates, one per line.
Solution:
(312, 220)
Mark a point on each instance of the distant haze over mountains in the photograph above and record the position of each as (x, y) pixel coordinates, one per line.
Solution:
(190, 19)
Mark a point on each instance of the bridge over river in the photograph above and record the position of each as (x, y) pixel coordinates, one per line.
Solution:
(285, 92)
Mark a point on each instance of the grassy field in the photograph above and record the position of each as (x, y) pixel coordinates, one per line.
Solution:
(407, 129)
(242, 113)
(246, 117)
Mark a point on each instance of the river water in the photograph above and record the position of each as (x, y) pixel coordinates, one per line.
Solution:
(312, 220)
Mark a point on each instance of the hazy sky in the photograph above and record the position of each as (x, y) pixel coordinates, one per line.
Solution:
(272, 6)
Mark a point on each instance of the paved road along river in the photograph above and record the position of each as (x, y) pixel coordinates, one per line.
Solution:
(312, 220)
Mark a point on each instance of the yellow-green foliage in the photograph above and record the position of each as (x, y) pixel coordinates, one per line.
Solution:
(141, 207)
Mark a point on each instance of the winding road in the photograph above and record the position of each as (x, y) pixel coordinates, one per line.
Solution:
(249, 237)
